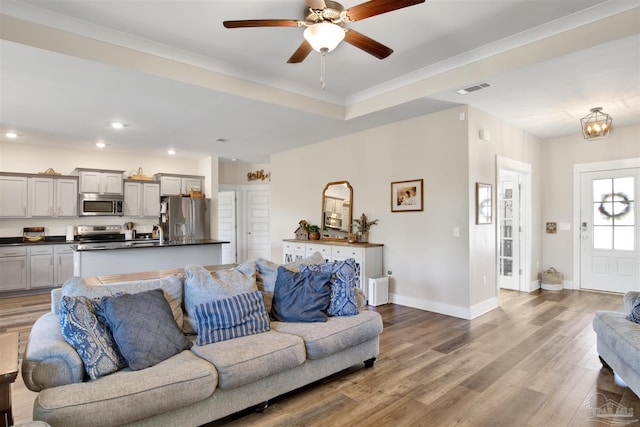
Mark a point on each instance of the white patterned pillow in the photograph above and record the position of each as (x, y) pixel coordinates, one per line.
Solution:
(237, 316)
(89, 336)
(344, 280)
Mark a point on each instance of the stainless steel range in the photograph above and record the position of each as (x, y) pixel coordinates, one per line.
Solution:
(100, 233)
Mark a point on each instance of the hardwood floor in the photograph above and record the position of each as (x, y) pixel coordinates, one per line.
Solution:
(532, 362)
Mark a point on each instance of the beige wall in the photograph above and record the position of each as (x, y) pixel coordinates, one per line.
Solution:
(236, 173)
(559, 157)
(431, 268)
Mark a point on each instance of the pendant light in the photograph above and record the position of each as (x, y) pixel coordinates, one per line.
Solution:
(596, 125)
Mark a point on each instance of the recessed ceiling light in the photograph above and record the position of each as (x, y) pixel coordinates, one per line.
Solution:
(234, 160)
(100, 144)
(171, 151)
(11, 135)
(118, 125)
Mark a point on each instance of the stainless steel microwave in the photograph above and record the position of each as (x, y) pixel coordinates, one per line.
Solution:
(98, 205)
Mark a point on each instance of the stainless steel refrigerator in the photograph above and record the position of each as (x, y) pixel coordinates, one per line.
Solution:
(185, 218)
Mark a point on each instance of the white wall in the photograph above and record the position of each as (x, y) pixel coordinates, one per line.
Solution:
(559, 157)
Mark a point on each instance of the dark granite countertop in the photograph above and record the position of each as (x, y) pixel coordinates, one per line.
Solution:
(143, 243)
(48, 240)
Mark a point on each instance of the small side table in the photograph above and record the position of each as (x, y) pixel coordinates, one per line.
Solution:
(8, 374)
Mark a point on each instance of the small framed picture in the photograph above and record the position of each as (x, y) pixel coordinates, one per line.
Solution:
(484, 203)
(407, 196)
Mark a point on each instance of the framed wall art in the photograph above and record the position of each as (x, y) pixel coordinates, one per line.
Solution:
(484, 203)
(407, 196)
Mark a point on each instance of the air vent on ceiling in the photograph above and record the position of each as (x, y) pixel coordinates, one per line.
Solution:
(474, 88)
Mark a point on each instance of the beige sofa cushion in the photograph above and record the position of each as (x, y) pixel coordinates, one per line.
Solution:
(337, 334)
(126, 396)
(247, 359)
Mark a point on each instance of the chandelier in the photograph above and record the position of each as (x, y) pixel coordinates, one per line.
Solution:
(596, 125)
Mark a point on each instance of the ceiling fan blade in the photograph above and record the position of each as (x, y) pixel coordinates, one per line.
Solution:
(377, 7)
(248, 23)
(367, 44)
(316, 4)
(301, 53)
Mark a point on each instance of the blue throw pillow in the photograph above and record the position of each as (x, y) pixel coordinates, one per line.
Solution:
(143, 328)
(301, 297)
(90, 337)
(344, 280)
(236, 316)
(634, 316)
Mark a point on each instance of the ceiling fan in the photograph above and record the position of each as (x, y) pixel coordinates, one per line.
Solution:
(324, 22)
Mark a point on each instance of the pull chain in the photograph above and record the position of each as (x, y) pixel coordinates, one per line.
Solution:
(322, 68)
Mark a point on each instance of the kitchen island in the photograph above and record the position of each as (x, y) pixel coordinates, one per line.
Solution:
(97, 259)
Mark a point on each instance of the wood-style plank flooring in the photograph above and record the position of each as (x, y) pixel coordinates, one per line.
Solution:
(532, 362)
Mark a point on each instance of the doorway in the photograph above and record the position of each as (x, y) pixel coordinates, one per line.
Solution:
(513, 231)
(244, 219)
(609, 235)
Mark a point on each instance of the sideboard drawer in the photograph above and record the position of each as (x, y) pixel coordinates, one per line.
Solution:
(295, 247)
(323, 249)
(341, 252)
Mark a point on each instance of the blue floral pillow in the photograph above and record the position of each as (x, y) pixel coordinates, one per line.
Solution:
(634, 316)
(89, 336)
(344, 280)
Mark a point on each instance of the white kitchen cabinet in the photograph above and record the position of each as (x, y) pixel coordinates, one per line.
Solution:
(63, 263)
(173, 185)
(13, 268)
(53, 197)
(141, 199)
(41, 271)
(368, 256)
(100, 182)
(13, 194)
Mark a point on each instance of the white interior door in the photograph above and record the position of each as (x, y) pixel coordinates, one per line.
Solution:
(510, 230)
(609, 253)
(257, 229)
(227, 228)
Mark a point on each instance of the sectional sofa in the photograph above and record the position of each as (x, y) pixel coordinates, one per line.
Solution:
(203, 381)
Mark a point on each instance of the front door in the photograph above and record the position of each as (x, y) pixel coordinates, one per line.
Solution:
(609, 253)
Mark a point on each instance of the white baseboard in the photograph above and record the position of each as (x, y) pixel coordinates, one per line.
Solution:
(467, 313)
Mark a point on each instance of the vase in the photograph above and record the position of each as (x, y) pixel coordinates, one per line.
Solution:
(363, 236)
(314, 235)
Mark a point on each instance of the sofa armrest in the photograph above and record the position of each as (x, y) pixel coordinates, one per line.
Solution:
(49, 361)
(629, 300)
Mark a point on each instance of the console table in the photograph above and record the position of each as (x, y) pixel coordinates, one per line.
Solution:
(368, 256)
(8, 374)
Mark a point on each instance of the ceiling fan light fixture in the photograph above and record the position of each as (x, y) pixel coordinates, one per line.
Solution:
(596, 125)
(324, 36)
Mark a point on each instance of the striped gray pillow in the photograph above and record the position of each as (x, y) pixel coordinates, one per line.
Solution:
(236, 316)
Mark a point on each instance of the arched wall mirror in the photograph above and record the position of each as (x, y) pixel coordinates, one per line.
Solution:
(337, 199)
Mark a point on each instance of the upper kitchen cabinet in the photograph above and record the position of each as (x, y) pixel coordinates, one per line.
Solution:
(53, 197)
(142, 198)
(174, 185)
(13, 193)
(100, 181)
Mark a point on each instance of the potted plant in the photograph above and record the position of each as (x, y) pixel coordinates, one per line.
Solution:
(363, 225)
(314, 232)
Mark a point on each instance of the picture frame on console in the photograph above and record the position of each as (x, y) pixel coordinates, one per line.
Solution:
(407, 196)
